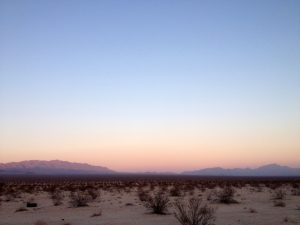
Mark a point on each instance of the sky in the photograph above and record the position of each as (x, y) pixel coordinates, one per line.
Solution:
(150, 85)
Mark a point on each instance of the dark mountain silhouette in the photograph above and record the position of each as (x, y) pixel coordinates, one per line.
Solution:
(53, 167)
(267, 170)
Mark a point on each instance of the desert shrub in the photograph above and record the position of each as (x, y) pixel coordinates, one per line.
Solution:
(158, 203)
(94, 193)
(143, 195)
(279, 194)
(279, 203)
(259, 188)
(194, 213)
(212, 196)
(175, 191)
(296, 191)
(79, 199)
(57, 197)
(226, 195)
(9, 197)
(191, 192)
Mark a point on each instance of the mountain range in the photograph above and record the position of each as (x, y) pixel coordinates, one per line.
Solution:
(267, 170)
(58, 167)
(53, 167)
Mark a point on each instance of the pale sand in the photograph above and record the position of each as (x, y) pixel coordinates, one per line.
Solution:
(116, 212)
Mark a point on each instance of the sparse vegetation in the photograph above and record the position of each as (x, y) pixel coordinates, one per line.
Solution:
(143, 195)
(94, 193)
(158, 202)
(279, 194)
(226, 195)
(57, 197)
(175, 191)
(79, 199)
(155, 192)
(296, 191)
(194, 213)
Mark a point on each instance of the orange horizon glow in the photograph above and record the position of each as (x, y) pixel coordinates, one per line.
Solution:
(175, 150)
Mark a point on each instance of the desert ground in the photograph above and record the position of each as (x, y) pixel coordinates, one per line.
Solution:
(126, 202)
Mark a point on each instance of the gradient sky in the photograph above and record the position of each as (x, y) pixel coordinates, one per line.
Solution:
(150, 85)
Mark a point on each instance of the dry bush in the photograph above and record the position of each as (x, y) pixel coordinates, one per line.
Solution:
(143, 195)
(212, 196)
(175, 191)
(194, 213)
(226, 195)
(279, 194)
(57, 197)
(9, 197)
(94, 193)
(259, 189)
(158, 202)
(79, 199)
(296, 191)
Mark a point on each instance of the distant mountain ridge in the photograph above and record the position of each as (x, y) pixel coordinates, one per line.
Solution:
(53, 167)
(58, 167)
(267, 170)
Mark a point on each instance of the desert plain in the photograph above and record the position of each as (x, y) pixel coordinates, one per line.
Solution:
(125, 201)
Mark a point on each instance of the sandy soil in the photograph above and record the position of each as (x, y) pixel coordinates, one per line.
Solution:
(116, 211)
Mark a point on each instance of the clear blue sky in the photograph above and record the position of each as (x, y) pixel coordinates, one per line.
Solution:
(73, 70)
